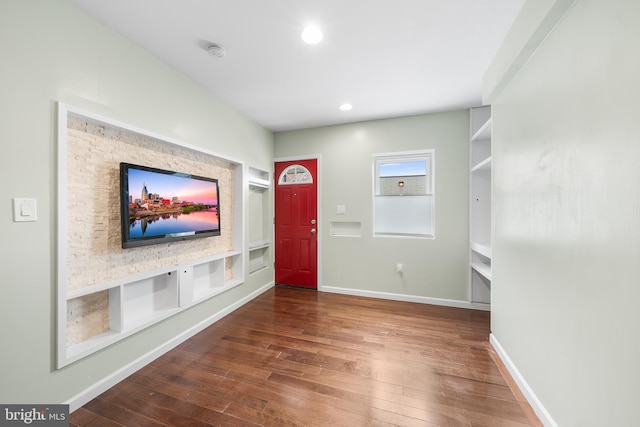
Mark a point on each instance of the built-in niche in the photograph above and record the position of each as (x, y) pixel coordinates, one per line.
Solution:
(480, 206)
(106, 293)
(260, 220)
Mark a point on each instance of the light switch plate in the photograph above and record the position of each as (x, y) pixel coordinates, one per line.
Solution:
(24, 209)
(341, 209)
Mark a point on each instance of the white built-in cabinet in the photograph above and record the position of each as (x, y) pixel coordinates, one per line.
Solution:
(260, 220)
(480, 205)
(137, 301)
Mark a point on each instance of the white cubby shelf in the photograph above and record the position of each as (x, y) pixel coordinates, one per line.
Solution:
(143, 299)
(206, 278)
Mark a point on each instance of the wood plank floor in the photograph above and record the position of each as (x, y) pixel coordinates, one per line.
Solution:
(295, 357)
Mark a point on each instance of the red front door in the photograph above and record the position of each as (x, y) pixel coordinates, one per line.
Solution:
(296, 224)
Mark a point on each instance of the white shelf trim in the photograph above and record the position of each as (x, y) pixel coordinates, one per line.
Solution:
(483, 269)
(261, 183)
(484, 250)
(258, 178)
(259, 244)
(484, 132)
(99, 287)
(484, 165)
(257, 267)
(228, 284)
(136, 323)
(89, 345)
(221, 255)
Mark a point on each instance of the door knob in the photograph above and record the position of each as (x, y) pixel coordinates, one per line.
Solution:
(313, 231)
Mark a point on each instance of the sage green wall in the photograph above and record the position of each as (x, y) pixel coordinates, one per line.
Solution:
(432, 268)
(53, 52)
(566, 144)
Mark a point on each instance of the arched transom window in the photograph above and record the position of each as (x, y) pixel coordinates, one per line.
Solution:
(295, 174)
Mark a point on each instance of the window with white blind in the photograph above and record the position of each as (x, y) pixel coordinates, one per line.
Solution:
(403, 200)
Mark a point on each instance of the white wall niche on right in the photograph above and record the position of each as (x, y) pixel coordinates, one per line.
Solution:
(480, 176)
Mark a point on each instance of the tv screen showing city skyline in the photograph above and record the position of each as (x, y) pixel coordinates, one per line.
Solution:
(186, 188)
(160, 205)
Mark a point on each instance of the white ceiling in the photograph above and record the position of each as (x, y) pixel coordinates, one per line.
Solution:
(388, 58)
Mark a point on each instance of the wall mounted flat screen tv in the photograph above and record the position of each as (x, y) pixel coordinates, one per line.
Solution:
(161, 206)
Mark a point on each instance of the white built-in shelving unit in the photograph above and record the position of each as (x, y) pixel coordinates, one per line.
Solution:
(480, 205)
(260, 223)
(140, 300)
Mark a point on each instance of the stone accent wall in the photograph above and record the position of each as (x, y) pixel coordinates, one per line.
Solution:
(93, 240)
(87, 317)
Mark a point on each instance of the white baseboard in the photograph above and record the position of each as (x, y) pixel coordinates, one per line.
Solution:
(407, 298)
(103, 385)
(522, 384)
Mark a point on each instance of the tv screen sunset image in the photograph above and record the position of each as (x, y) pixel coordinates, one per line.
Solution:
(169, 203)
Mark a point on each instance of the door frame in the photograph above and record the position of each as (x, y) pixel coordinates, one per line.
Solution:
(318, 159)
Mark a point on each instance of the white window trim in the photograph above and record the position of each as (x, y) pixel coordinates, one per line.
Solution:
(429, 154)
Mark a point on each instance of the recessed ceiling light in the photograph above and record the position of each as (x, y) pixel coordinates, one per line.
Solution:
(346, 106)
(311, 35)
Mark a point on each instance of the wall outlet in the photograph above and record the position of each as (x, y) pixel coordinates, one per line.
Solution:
(399, 267)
